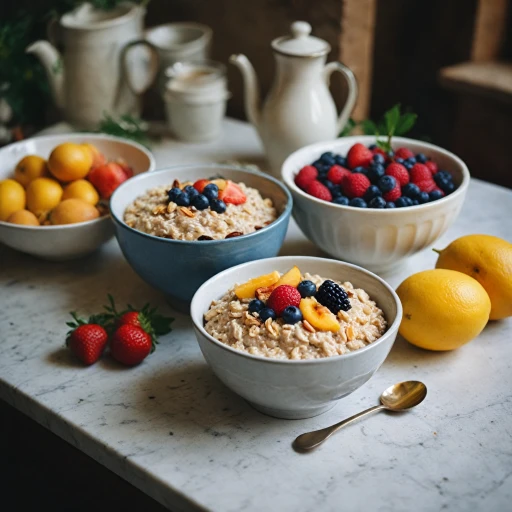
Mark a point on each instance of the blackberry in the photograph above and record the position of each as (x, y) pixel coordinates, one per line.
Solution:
(333, 297)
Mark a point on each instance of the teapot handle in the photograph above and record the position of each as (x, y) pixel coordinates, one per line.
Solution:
(153, 69)
(352, 91)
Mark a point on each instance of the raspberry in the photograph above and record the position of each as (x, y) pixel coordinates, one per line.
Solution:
(403, 153)
(420, 172)
(394, 194)
(282, 297)
(333, 297)
(316, 189)
(356, 185)
(306, 176)
(359, 156)
(337, 174)
(432, 166)
(426, 185)
(399, 172)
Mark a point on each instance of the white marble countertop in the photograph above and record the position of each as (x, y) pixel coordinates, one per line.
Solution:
(174, 431)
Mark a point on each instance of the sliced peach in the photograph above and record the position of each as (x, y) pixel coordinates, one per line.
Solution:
(222, 184)
(292, 278)
(318, 316)
(248, 289)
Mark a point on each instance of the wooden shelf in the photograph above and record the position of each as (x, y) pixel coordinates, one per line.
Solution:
(490, 79)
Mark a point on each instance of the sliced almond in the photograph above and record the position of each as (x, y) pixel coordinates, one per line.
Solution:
(171, 207)
(308, 326)
(350, 333)
(158, 210)
(187, 212)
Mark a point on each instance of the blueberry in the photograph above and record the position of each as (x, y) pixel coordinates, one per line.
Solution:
(372, 146)
(200, 202)
(372, 192)
(390, 204)
(291, 315)
(421, 158)
(358, 202)
(391, 154)
(401, 202)
(341, 200)
(377, 202)
(255, 306)
(182, 200)
(211, 191)
(340, 160)
(336, 191)
(411, 160)
(423, 198)
(408, 165)
(415, 202)
(435, 195)
(447, 187)
(328, 159)
(267, 313)
(329, 184)
(306, 288)
(317, 163)
(360, 170)
(379, 159)
(386, 183)
(399, 160)
(409, 201)
(217, 205)
(375, 172)
(323, 169)
(190, 191)
(411, 190)
(174, 193)
(442, 177)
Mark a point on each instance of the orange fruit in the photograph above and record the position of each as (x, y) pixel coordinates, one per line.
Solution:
(98, 158)
(43, 194)
(29, 168)
(12, 198)
(81, 189)
(71, 211)
(70, 161)
(23, 217)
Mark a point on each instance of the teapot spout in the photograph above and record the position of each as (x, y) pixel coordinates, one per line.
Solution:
(52, 62)
(251, 88)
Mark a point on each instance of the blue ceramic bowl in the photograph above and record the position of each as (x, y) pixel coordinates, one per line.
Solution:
(178, 268)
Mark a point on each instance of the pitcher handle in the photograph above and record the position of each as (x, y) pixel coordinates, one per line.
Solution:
(153, 70)
(352, 90)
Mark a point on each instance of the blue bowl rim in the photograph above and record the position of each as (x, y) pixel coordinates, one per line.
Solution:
(285, 214)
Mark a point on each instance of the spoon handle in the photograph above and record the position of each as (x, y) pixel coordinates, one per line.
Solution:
(311, 440)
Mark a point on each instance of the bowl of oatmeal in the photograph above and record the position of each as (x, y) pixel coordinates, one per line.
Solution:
(292, 335)
(179, 226)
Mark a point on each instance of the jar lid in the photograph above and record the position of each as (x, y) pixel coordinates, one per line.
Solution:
(300, 43)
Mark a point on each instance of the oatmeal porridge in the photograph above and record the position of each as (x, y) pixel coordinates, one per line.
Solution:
(222, 209)
(306, 330)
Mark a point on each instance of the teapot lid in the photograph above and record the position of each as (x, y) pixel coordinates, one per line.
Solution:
(300, 43)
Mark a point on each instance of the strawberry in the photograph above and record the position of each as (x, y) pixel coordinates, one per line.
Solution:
(106, 178)
(130, 344)
(306, 176)
(420, 172)
(359, 156)
(232, 194)
(399, 172)
(337, 174)
(426, 185)
(393, 194)
(355, 185)
(380, 151)
(282, 297)
(130, 317)
(200, 184)
(432, 166)
(86, 340)
(319, 190)
(403, 153)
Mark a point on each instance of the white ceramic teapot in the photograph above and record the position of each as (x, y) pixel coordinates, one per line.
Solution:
(299, 109)
(99, 72)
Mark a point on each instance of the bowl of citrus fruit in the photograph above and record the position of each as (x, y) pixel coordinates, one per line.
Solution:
(55, 191)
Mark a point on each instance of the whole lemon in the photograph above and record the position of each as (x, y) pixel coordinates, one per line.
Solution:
(23, 217)
(442, 309)
(488, 259)
(12, 198)
(71, 211)
(43, 194)
(81, 189)
(29, 168)
(70, 161)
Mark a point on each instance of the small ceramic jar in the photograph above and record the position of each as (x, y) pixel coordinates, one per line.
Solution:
(195, 99)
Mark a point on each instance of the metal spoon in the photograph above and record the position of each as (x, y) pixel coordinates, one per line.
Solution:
(398, 397)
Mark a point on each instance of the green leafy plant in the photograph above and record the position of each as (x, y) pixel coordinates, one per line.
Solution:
(126, 126)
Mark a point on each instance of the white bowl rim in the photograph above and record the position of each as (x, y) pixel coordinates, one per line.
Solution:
(282, 216)
(286, 175)
(295, 260)
(73, 136)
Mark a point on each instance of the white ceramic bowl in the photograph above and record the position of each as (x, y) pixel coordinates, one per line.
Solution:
(72, 240)
(295, 389)
(375, 239)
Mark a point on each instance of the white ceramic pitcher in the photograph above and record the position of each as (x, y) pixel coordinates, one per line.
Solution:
(299, 109)
(100, 70)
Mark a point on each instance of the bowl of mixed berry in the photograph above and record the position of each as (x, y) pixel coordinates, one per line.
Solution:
(375, 207)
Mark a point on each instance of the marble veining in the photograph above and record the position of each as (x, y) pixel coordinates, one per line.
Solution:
(174, 431)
